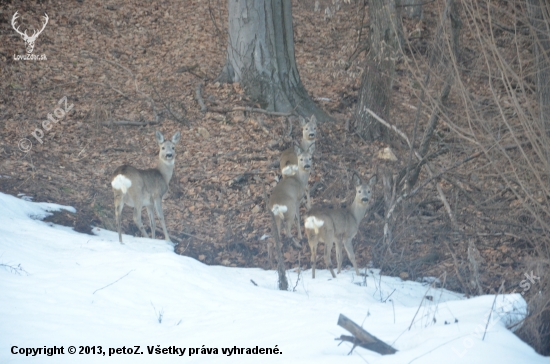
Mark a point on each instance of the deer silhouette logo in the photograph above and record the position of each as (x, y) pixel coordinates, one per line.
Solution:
(29, 40)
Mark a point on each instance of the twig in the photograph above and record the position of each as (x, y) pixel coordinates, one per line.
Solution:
(387, 299)
(492, 308)
(116, 150)
(110, 284)
(224, 110)
(420, 305)
(145, 96)
(129, 122)
(15, 269)
(168, 108)
(388, 125)
(356, 54)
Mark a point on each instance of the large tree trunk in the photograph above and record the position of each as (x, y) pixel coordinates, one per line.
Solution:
(375, 92)
(260, 56)
(539, 15)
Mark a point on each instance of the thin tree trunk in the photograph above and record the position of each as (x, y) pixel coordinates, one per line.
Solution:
(539, 15)
(260, 56)
(375, 93)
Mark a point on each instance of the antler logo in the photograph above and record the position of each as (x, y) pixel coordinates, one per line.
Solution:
(29, 41)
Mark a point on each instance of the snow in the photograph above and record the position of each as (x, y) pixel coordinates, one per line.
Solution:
(62, 288)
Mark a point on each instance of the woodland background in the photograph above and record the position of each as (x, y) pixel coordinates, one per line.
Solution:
(470, 75)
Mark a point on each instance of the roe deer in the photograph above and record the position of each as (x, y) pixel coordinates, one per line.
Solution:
(338, 226)
(140, 188)
(286, 196)
(289, 157)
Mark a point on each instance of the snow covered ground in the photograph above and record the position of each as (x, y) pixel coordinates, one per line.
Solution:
(61, 288)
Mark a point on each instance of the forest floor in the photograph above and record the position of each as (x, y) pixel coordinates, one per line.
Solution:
(139, 60)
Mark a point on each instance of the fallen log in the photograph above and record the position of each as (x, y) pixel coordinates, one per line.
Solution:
(362, 338)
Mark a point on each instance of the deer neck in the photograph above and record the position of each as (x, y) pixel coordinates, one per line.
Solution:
(303, 176)
(358, 210)
(166, 169)
(306, 143)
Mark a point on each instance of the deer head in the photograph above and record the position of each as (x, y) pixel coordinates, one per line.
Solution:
(29, 40)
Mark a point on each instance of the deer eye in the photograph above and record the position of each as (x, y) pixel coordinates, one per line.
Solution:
(163, 148)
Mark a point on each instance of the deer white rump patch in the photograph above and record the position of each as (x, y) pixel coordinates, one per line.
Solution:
(314, 223)
(121, 182)
(290, 170)
(279, 210)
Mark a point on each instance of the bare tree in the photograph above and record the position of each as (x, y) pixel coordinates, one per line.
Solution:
(260, 55)
(539, 16)
(375, 93)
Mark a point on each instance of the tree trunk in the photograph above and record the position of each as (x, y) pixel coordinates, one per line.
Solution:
(375, 92)
(411, 9)
(260, 56)
(539, 16)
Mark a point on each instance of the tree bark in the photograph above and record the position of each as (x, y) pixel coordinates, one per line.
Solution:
(539, 16)
(375, 92)
(260, 56)
(411, 8)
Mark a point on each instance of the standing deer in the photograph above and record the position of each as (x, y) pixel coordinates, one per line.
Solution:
(29, 41)
(289, 157)
(140, 188)
(338, 226)
(286, 196)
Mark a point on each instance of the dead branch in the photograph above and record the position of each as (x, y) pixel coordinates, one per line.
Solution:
(145, 96)
(168, 108)
(224, 110)
(492, 308)
(129, 122)
(362, 338)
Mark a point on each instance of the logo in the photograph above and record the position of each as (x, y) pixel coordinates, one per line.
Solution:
(29, 40)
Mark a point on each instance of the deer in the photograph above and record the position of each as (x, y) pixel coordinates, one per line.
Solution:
(289, 157)
(338, 226)
(29, 40)
(284, 201)
(140, 188)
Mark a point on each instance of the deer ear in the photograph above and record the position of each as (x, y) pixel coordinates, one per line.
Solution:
(159, 137)
(356, 180)
(302, 121)
(297, 149)
(313, 119)
(176, 138)
(372, 180)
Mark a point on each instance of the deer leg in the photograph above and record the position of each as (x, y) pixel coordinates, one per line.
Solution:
(289, 220)
(297, 217)
(329, 241)
(158, 208)
(119, 205)
(313, 242)
(278, 226)
(137, 220)
(349, 249)
(152, 223)
(339, 255)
